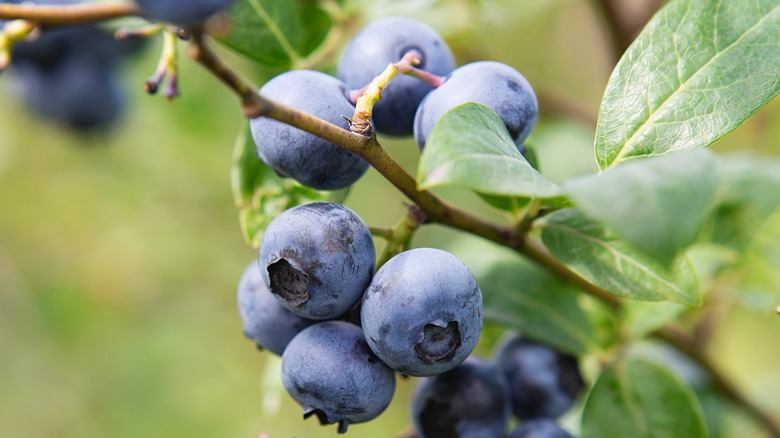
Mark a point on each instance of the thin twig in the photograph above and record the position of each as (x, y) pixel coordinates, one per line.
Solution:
(723, 384)
(77, 13)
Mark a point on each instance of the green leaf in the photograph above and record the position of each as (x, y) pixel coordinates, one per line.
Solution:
(543, 307)
(698, 70)
(641, 399)
(658, 205)
(591, 251)
(749, 194)
(470, 147)
(275, 33)
(640, 318)
(513, 204)
(261, 194)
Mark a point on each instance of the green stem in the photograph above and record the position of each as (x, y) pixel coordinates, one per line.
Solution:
(364, 106)
(530, 215)
(384, 233)
(400, 236)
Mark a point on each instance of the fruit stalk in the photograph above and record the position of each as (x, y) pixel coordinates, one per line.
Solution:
(364, 105)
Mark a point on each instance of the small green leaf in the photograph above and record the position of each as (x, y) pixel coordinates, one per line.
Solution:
(641, 399)
(261, 195)
(275, 33)
(658, 204)
(588, 249)
(538, 304)
(749, 194)
(698, 70)
(470, 147)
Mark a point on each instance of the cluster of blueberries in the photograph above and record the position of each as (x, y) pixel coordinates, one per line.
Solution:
(408, 106)
(476, 399)
(71, 75)
(343, 330)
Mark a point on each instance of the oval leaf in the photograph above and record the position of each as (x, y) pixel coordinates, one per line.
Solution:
(699, 69)
(749, 195)
(587, 248)
(538, 304)
(470, 147)
(273, 32)
(261, 194)
(658, 205)
(640, 399)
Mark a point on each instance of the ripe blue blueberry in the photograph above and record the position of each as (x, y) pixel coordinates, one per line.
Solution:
(384, 42)
(265, 320)
(317, 259)
(182, 11)
(422, 313)
(310, 160)
(540, 428)
(544, 382)
(469, 401)
(490, 83)
(330, 371)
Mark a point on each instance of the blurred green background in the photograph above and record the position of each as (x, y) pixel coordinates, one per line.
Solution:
(120, 253)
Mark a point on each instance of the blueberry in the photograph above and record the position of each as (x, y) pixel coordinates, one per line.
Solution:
(182, 11)
(69, 74)
(310, 160)
(469, 401)
(422, 313)
(79, 93)
(540, 428)
(330, 371)
(265, 320)
(544, 382)
(490, 83)
(384, 42)
(317, 259)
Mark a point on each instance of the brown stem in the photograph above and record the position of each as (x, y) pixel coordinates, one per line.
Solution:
(675, 337)
(49, 15)
(623, 25)
(619, 34)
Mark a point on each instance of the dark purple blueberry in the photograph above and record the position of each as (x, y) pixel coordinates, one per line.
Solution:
(182, 11)
(265, 320)
(330, 371)
(317, 259)
(384, 42)
(544, 382)
(310, 160)
(69, 74)
(469, 401)
(490, 83)
(422, 313)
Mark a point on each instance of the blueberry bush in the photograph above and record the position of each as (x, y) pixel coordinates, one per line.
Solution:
(586, 297)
